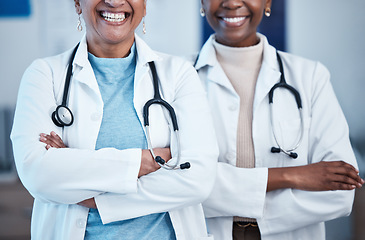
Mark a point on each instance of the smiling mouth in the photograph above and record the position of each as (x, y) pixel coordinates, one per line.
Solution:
(233, 19)
(114, 17)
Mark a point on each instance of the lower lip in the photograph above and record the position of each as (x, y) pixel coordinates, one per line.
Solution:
(233, 24)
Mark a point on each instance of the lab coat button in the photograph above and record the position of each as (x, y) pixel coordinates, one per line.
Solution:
(81, 223)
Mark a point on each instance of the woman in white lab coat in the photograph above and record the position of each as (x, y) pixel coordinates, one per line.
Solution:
(93, 189)
(260, 194)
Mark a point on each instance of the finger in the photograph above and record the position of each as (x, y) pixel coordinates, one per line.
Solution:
(346, 165)
(57, 139)
(343, 168)
(350, 172)
(44, 139)
(51, 141)
(344, 179)
(342, 186)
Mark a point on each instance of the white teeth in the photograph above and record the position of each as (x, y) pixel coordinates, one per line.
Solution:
(234, 20)
(113, 17)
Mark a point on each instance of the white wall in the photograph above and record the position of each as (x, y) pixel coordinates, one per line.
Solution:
(333, 32)
(25, 39)
(173, 26)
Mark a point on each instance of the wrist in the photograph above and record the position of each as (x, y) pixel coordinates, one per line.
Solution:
(280, 178)
(289, 177)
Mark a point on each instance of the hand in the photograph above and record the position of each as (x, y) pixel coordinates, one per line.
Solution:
(89, 203)
(148, 164)
(321, 176)
(52, 140)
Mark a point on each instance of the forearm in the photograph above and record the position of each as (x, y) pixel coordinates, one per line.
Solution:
(321, 176)
(279, 178)
(68, 176)
(160, 191)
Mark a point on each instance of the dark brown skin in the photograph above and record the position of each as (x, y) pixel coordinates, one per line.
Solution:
(321, 176)
(148, 164)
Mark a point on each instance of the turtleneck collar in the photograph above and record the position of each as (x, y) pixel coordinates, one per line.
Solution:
(244, 57)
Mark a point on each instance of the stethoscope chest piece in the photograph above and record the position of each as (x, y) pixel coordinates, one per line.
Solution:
(62, 116)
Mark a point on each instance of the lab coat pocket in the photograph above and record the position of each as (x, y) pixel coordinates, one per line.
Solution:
(290, 134)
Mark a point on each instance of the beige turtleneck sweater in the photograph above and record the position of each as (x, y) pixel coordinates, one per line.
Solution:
(242, 66)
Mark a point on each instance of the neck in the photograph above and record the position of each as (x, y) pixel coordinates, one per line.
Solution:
(110, 50)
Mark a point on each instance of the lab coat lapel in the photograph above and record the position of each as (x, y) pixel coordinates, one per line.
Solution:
(143, 86)
(208, 58)
(82, 70)
(268, 76)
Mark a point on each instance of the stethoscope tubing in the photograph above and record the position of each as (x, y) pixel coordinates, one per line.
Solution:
(165, 164)
(298, 141)
(158, 100)
(283, 84)
(63, 117)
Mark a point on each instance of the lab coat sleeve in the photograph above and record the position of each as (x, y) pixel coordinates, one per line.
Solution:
(237, 192)
(167, 190)
(67, 175)
(290, 209)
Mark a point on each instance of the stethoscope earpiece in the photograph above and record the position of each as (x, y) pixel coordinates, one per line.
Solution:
(185, 165)
(163, 164)
(160, 160)
(278, 150)
(275, 150)
(293, 155)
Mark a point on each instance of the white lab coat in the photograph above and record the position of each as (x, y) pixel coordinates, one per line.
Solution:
(286, 213)
(60, 178)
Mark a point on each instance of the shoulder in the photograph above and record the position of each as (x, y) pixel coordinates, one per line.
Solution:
(45, 72)
(174, 64)
(302, 64)
(49, 64)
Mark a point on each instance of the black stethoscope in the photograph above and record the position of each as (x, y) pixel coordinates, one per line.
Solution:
(283, 84)
(63, 117)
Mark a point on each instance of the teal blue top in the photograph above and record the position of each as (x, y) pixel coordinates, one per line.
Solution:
(121, 129)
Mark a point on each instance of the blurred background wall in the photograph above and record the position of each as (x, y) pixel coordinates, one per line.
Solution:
(330, 31)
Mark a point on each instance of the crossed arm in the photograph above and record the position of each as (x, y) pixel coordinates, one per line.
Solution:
(321, 176)
(148, 164)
